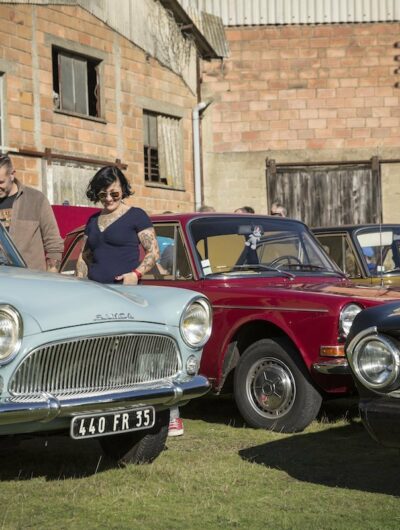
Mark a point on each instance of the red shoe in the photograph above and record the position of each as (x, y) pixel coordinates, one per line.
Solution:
(175, 427)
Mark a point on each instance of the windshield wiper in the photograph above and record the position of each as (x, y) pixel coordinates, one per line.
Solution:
(396, 269)
(261, 266)
(312, 267)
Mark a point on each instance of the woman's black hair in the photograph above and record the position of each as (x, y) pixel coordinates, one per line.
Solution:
(103, 179)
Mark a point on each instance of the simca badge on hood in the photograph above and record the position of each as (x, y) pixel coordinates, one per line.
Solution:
(114, 316)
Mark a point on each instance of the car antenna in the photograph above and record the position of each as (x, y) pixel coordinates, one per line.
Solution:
(376, 168)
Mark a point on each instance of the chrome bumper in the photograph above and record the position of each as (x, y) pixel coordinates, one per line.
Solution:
(163, 395)
(338, 366)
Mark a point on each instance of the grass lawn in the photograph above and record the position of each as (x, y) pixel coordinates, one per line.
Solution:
(220, 474)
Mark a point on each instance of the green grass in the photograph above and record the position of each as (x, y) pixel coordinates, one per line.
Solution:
(220, 474)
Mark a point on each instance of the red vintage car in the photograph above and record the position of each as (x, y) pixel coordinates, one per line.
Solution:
(282, 309)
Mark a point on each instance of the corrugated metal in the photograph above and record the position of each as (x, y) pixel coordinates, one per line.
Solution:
(214, 32)
(272, 12)
(40, 2)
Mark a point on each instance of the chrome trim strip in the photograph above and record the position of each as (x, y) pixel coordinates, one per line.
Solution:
(271, 308)
(48, 407)
(333, 367)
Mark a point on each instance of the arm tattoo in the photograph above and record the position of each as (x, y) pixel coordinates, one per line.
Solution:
(83, 260)
(148, 240)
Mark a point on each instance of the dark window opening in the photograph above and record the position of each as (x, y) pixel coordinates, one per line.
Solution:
(76, 83)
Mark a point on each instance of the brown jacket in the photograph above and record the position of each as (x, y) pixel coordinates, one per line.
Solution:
(34, 229)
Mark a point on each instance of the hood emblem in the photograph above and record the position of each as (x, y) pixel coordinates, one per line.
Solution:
(113, 316)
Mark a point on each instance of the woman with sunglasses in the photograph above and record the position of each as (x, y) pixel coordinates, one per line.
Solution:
(113, 236)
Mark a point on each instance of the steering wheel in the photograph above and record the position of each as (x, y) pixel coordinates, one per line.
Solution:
(287, 258)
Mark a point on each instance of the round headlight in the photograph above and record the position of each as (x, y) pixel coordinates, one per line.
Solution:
(376, 361)
(347, 315)
(10, 331)
(195, 323)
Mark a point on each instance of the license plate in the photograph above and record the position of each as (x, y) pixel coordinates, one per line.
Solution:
(93, 425)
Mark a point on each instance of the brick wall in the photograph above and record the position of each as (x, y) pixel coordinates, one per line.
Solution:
(295, 94)
(306, 87)
(24, 25)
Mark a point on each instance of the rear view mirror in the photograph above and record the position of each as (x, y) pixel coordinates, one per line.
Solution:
(245, 230)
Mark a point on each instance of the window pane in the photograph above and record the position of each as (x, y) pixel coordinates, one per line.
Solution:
(152, 139)
(68, 182)
(173, 263)
(69, 266)
(66, 82)
(146, 140)
(80, 84)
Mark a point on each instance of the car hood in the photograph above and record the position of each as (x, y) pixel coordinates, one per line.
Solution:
(351, 290)
(55, 301)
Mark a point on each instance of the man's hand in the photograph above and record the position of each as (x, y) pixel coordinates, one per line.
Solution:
(53, 265)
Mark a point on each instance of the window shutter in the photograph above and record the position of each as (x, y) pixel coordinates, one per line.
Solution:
(66, 82)
(81, 84)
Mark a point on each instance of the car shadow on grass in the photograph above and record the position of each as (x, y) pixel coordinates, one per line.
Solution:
(214, 409)
(223, 410)
(54, 458)
(344, 457)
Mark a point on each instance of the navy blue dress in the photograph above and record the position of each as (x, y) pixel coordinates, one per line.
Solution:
(116, 250)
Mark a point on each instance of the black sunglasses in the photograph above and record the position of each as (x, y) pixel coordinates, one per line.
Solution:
(113, 194)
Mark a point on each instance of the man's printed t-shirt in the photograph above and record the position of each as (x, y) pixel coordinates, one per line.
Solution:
(6, 206)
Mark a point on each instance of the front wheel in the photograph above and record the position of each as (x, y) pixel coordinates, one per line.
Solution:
(272, 389)
(140, 447)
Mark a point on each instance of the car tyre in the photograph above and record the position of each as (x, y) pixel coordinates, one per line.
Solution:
(140, 447)
(272, 388)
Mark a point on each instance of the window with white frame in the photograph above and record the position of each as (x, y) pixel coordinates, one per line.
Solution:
(163, 152)
(76, 84)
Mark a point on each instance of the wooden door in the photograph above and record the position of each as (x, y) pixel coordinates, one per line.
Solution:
(327, 195)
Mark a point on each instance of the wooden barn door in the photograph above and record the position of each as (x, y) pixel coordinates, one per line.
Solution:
(327, 195)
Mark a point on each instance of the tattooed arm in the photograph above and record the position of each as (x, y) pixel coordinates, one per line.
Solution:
(148, 240)
(84, 259)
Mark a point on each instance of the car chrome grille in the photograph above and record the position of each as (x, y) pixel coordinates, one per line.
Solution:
(95, 364)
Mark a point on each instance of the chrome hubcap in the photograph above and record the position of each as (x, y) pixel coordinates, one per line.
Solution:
(270, 387)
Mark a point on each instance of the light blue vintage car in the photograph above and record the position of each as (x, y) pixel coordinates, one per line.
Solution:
(95, 360)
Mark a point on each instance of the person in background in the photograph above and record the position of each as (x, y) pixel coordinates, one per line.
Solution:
(206, 208)
(277, 208)
(245, 209)
(370, 258)
(26, 213)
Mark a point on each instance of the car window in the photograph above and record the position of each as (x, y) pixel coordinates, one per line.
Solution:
(68, 266)
(380, 250)
(173, 263)
(9, 254)
(226, 245)
(339, 249)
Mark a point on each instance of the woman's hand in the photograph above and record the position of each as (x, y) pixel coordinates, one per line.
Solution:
(129, 278)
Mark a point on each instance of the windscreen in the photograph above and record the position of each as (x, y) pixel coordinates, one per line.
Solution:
(226, 245)
(380, 249)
